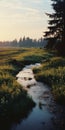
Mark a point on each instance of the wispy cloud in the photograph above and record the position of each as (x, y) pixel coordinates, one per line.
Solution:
(23, 16)
(14, 9)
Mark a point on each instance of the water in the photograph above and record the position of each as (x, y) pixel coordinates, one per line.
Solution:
(45, 114)
(26, 76)
(41, 116)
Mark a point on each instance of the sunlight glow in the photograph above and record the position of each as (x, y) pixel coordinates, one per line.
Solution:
(23, 17)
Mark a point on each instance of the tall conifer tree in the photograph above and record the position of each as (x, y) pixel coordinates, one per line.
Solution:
(56, 33)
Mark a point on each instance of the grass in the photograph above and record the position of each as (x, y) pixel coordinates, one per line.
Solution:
(14, 101)
(52, 72)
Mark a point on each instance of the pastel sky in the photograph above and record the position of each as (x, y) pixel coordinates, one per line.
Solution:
(20, 18)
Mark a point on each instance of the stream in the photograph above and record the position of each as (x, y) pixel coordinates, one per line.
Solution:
(46, 114)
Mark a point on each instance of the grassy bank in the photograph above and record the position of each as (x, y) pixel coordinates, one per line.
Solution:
(14, 101)
(52, 72)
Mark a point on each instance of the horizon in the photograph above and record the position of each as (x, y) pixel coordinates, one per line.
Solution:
(21, 18)
(15, 39)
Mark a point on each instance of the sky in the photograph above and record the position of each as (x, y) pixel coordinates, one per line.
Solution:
(19, 18)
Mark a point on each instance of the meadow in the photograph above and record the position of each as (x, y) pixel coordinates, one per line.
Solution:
(13, 99)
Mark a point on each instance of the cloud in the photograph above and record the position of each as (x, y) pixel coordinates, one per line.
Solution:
(15, 9)
(22, 17)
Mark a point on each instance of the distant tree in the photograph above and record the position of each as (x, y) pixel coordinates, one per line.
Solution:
(24, 38)
(20, 42)
(14, 43)
(56, 32)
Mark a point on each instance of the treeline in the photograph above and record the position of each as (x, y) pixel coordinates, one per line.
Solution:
(24, 42)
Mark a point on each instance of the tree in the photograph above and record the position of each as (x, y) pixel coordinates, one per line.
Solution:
(56, 31)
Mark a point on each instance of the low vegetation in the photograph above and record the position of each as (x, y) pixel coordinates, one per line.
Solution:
(14, 101)
(52, 72)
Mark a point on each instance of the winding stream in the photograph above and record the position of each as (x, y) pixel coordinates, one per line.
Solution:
(45, 115)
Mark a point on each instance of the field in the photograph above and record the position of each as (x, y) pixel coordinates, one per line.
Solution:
(12, 60)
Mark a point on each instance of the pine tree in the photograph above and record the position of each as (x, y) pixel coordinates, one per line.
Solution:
(55, 33)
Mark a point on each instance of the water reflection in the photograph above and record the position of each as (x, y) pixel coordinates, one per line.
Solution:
(44, 115)
(6, 122)
(40, 118)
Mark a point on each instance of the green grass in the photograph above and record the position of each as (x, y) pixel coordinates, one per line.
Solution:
(13, 99)
(52, 72)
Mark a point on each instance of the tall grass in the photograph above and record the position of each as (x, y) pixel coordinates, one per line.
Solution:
(14, 101)
(52, 72)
